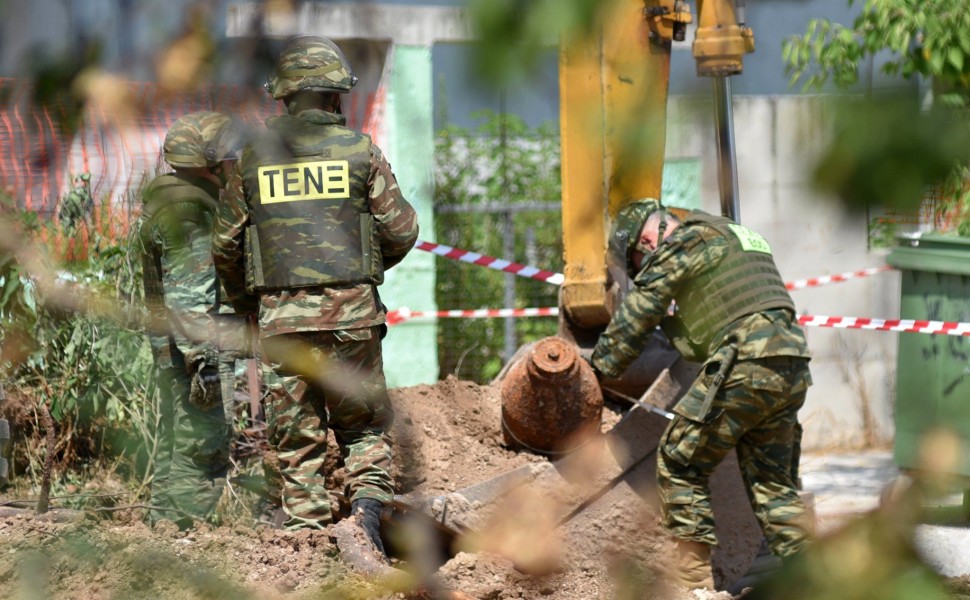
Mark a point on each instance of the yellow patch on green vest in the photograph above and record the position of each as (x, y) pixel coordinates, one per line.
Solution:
(316, 180)
(751, 241)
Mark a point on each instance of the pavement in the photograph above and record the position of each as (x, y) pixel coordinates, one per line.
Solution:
(848, 484)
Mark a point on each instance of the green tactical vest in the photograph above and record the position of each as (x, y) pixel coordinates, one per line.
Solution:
(745, 282)
(308, 202)
(171, 198)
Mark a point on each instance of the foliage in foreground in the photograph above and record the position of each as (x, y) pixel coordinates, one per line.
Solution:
(91, 372)
(889, 153)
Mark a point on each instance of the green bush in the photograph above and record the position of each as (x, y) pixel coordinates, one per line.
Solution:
(501, 162)
(87, 366)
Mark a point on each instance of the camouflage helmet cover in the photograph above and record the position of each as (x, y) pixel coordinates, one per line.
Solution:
(200, 139)
(625, 234)
(311, 63)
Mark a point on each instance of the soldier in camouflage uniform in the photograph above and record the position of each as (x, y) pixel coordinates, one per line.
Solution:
(733, 315)
(195, 337)
(310, 222)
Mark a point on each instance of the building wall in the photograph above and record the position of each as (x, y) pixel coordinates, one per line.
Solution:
(409, 349)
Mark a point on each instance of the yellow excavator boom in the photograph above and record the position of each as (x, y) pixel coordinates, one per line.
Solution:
(613, 111)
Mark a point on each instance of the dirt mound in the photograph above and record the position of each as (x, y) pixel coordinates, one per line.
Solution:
(447, 437)
(101, 559)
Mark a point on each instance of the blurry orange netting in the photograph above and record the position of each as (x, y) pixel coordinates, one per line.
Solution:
(933, 214)
(42, 154)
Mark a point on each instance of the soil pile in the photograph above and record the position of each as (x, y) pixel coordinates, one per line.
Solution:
(447, 437)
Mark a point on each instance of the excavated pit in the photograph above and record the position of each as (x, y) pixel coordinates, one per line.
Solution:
(569, 528)
(526, 541)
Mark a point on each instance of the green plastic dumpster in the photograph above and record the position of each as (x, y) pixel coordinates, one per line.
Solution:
(933, 371)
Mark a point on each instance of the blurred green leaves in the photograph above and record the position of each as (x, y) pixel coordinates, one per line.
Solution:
(930, 38)
(514, 33)
(889, 151)
(53, 78)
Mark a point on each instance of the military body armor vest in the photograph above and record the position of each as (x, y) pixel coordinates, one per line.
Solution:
(168, 198)
(309, 208)
(171, 198)
(745, 282)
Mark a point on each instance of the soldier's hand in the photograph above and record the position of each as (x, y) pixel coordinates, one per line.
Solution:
(205, 392)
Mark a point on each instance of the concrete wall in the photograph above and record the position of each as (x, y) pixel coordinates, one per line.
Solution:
(410, 356)
(778, 139)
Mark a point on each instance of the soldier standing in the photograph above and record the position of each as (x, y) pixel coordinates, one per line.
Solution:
(195, 337)
(733, 315)
(310, 221)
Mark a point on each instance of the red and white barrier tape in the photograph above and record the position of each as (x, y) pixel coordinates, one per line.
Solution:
(904, 325)
(491, 262)
(401, 315)
(557, 278)
(404, 314)
(801, 284)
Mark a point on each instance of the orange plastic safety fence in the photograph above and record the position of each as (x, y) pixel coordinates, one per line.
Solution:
(44, 148)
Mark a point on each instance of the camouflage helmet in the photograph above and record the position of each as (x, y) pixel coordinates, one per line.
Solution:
(625, 234)
(201, 139)
(311, 63)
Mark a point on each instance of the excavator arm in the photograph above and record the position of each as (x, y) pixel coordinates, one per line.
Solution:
(613, 111)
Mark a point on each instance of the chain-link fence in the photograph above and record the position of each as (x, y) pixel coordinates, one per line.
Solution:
(498, 194)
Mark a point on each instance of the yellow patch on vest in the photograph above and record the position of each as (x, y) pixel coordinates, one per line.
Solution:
(751, 241)
(317, 180)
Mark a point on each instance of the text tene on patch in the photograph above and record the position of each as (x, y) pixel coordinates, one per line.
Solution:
(317, 180)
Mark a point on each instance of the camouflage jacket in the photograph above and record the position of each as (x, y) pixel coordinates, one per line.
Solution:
(318, 308)
(680, 258)
(181, 289)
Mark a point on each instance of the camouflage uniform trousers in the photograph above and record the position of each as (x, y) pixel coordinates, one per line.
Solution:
(755, 411)
(299, 410)
(193, 446)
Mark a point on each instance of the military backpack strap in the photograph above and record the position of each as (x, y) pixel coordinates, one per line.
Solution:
(174, 201)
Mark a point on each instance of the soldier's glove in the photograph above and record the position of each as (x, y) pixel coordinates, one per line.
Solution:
(205, 392)
(368, 511)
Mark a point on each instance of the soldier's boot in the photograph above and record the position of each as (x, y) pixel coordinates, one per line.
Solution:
(764, 566)
(270, 512)
(691, 567)
(367, 513)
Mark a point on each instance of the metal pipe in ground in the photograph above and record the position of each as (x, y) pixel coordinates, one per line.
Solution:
(727, 167)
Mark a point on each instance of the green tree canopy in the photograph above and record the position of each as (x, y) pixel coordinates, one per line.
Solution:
(929, 38)
(888, 152)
